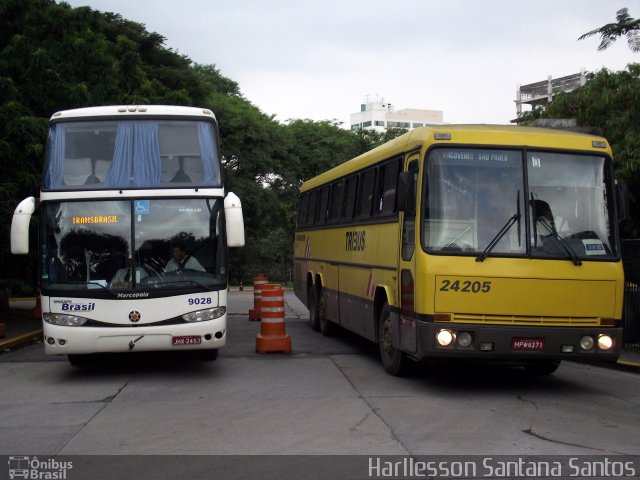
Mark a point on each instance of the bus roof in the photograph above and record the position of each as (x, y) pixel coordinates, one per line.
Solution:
(489, 135)
(133, 110)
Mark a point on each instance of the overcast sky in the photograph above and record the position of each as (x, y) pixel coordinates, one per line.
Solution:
(318, 59)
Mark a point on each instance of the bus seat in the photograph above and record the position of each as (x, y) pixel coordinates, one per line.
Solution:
(181, 177)
(76, 170)
(92, 180)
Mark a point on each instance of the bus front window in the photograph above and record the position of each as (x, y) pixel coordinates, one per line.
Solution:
(472, 194)
(143, 244)
(570, 206)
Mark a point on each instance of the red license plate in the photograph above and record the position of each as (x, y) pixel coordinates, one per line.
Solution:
(528, 344)
(186, 340)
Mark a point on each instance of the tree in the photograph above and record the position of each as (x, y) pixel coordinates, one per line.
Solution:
(610, 101)
(54, 57)
(610, 32)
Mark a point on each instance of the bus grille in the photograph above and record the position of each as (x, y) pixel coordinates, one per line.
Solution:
(521, 320)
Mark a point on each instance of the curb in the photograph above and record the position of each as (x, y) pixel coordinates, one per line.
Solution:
(628, 365)
(21, 339)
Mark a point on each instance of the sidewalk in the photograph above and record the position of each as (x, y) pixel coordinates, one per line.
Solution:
(22, 328)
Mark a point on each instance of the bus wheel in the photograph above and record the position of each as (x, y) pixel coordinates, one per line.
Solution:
(78, 360)
(314, 318)
(327, 327)
(394, 361)
(208, 355)
(542, 367)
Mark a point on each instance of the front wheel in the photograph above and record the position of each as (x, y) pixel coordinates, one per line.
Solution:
(542, 367)
(80, 360)
(208, 355)
(394, 361)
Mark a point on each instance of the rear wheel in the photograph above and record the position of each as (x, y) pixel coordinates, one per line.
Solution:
(314, 318)
(394, 361)
(542, 367)
(327, 327)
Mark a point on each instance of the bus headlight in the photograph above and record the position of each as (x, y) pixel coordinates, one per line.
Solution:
(605, 342)
(464, 339)
(204, 315)
(444, 337)
(587, 342)
(64, 320)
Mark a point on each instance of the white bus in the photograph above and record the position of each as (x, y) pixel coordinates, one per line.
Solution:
(134, 227)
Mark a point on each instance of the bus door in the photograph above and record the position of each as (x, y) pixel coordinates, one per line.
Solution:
(406, 330)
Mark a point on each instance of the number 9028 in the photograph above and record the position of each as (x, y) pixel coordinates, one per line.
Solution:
(200, 301)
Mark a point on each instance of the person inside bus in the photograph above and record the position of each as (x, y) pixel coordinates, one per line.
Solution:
(545, 224)
(181, 261)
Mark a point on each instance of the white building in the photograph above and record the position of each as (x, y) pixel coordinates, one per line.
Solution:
(379, 115)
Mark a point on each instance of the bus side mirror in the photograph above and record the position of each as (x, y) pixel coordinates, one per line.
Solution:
(234, 220)
(20, 226)
(622, 197)
(407, 192)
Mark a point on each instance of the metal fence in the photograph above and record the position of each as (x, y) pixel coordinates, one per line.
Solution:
(631, 312)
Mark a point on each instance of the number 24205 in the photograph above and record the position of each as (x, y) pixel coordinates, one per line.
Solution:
(465, 286)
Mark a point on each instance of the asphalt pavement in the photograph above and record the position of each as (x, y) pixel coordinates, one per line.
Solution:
(23, 327)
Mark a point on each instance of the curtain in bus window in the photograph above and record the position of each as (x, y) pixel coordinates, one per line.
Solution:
(54, 174)
(208, 154)
(146, 155)
(119, 174)
(136, 149)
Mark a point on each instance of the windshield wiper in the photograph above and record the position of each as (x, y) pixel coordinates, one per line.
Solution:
(515, 218)
(198, 284)
(86, 284)
(565, 245)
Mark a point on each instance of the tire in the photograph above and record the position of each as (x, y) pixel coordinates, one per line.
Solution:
(394, 361)
(208, 355)
(327, 327)
(542, 367)
(79, 360)
(314, 317)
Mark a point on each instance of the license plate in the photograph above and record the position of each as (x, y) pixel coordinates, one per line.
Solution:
(529, 344)
(186, 340)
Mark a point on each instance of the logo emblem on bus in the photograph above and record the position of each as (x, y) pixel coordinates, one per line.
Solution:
(134, 316)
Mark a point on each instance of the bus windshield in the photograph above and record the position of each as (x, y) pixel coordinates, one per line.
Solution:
(570, 204)
(115, 246)
(474, 193)
(119, 154)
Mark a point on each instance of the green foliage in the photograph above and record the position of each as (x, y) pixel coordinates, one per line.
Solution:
(610, 101)
(609, 33)
(54, 57)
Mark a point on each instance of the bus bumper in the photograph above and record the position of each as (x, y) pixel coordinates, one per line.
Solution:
(514, 342)
(62, 340)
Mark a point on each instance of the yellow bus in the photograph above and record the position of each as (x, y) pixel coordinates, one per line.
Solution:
(468, 241)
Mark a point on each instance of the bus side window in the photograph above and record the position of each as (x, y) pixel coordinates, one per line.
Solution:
(335, 204)
(311, 209)
(302, 209)
(365, 193)
(350, 201)
(408, 225)
(321, 206)
(386, 188)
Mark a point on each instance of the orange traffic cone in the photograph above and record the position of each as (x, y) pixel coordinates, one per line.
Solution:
(272, 336)
(36, 313)
(258, 282)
